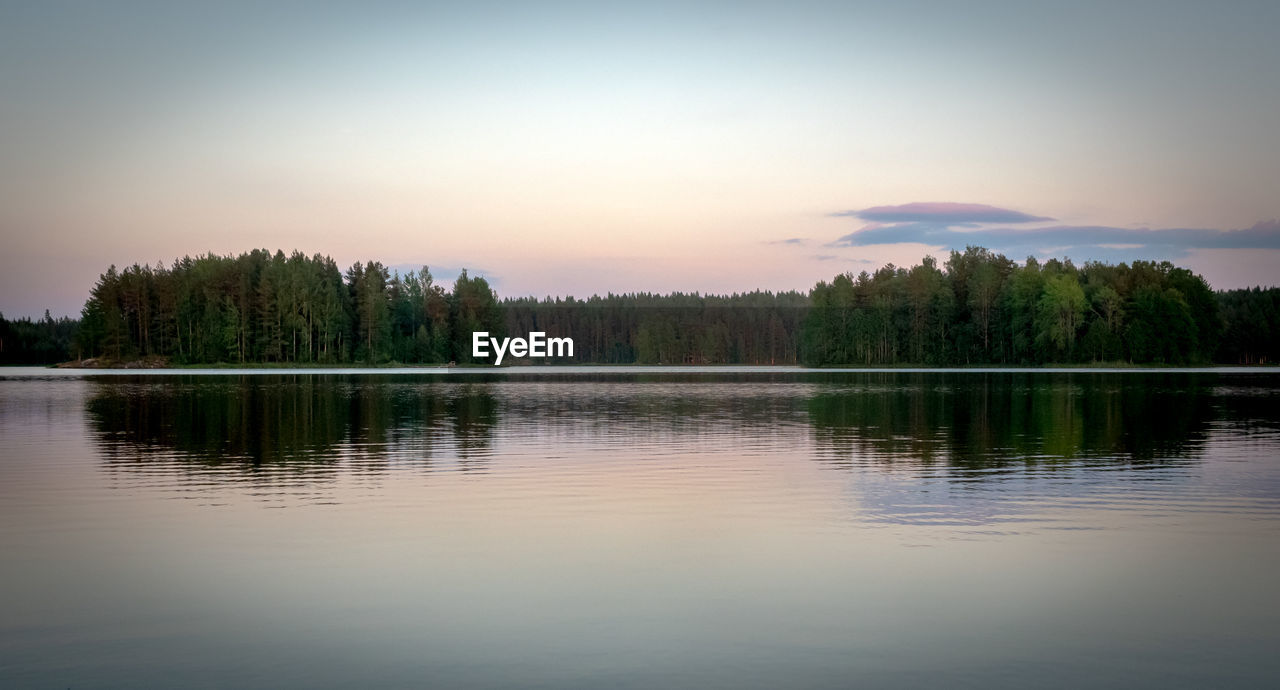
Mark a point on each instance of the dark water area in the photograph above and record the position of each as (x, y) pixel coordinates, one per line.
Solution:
(637, 529)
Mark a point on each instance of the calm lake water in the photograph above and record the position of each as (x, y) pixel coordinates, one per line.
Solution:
(620, 528)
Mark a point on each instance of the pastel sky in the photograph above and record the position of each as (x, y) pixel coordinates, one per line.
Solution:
(589, 147)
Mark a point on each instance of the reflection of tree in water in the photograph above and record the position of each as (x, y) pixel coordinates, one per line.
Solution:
(305, 424)
(473, 414)
(225, 421)
(644, 414)
(989, 420)
(956, 421)
(991, 452)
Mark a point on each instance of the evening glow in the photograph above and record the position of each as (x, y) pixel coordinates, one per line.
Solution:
(576, 149)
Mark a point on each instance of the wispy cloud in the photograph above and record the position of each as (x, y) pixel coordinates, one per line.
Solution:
(1265, 235)
(790, 240)
(958, 225)
(941, 213)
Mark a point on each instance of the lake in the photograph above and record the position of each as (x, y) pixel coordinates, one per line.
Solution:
(657, 527)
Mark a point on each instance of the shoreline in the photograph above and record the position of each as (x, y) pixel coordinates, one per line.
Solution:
(157, 364)
(36, 372)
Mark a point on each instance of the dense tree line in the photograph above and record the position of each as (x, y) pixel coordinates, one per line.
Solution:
(679, 328)
(978, 307)
(1251, 326)
(981, 308)
(261, 307)
(46, 341)
(264, 308)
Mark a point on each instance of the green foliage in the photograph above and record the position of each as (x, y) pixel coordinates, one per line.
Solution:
(1161, 328)
(46, 341)
(978, 308)
(263, 307)
(984, 309)
(473, 307)
(1059, 314)
(643, 328)
(1250, 326)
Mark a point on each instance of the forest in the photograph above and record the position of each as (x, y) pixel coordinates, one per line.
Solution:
(28, 342)
(979, 307)
(976, 308)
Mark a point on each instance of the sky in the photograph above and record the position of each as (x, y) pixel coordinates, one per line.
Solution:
(579, 148)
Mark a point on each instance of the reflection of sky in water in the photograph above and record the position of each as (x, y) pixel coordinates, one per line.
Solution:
(1011, 453)
(395, 532)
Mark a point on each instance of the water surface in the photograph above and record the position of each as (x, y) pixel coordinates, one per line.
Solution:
(741, 528)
